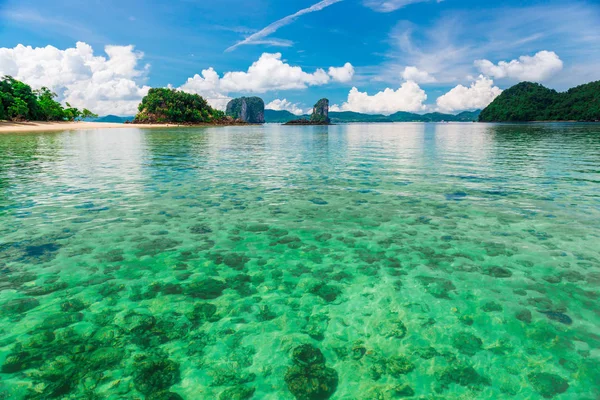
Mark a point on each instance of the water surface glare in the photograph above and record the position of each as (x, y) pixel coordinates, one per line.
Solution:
(434, 261)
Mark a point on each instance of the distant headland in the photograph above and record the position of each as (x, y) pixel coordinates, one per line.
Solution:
(529, 102)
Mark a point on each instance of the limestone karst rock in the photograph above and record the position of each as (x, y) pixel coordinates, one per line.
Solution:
(247, 109)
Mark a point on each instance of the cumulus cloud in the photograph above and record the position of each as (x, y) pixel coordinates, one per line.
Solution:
(409, 97)
(269, 73)
(416, 75)
(538, 68)
(280, 105)
(105, 85)
(479, 95)
(342, 74)
(391, 5)
(208, 85)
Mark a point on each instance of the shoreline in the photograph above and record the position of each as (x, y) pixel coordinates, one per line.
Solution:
(16, 127)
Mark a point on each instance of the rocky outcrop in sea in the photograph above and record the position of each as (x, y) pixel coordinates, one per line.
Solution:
(248, 109)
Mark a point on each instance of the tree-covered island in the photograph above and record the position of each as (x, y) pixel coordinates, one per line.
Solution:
(170, 106)
(19, 102)
(528, 101)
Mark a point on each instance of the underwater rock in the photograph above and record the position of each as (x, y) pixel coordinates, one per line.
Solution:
(157, 246)
(203, 312)
(265, 314)
(134, 322)
(237, 393)
(558, 317)
(428, 353)
(318, 201)
(499, 272)
(256, 228)
(548, 385)
(437, 287)
(309, 378)
(39, 340)
(235, 261)
(20, 306)
(462, 375)
(104, 358)
(59, 377)
(206, 289)
(404, 390)
(491, 306)
(201, 229)
(328, 293)
(312, 382)
(19, 361)
(307, 354)
(155, 375)
(57, 321)
(358, 351)
(109, 335)
(399, 366)
(467, 343)
(46, 289)
(164, 396)
(72, 305)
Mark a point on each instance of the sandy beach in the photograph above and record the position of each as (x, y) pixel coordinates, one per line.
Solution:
(9, 127)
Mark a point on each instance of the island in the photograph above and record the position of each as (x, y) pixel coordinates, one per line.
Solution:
(247, 109)
(170, 106)
(319, 116)
(529, 102)
(20, 103)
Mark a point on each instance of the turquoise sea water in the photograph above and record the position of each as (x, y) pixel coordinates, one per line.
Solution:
(432, 261)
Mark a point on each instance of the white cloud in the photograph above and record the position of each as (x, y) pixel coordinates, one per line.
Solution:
(342, 74)
(409, 97)
(479, 95)
(279, 105)
(208, 85)
(416, 75)
(271, 73)
(538, 68)
(257, 37)
(103, 85)
(267, 74)
(391, 5)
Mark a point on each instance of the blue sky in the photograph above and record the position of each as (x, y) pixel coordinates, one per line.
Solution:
(388, 55)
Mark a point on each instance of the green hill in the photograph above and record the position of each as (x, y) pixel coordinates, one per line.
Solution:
(528, 101)
(272, 116)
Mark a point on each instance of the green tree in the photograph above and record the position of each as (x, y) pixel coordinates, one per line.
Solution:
(168, 105)
(18, 109)
(85, 114)
(50, 109)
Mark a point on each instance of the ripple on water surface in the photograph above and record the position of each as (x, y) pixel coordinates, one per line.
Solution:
(455, 261)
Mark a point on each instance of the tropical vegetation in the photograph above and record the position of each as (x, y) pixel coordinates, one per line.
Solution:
(533, 102)
(163, 105)
(19, 102)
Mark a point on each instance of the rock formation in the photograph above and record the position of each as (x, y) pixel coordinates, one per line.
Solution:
(320, 115)
(248, 109)
(321, 112)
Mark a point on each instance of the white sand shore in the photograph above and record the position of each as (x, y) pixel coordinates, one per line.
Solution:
(7, 127)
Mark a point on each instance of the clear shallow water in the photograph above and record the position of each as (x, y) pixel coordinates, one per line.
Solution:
(448, 261)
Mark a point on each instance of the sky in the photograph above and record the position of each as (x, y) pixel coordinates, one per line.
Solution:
(371, 56)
